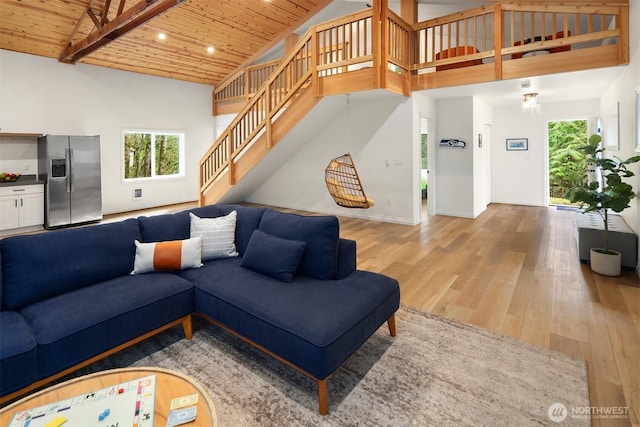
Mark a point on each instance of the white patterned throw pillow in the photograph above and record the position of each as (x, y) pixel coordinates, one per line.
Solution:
(218, 235)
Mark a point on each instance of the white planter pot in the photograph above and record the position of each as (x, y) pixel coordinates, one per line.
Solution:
(606, 264)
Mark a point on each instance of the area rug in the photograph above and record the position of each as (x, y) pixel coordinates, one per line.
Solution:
(435, 372)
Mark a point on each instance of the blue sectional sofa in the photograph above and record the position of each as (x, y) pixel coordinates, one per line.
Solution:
(285, 283)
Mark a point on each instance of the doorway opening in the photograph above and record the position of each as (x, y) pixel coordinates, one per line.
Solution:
(424, 163)
(566, 161)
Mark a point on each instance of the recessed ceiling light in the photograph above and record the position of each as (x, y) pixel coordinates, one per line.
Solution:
(162, 36)
(210, 49)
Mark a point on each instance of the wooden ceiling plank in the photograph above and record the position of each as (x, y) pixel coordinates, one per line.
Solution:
(255, 13)
(160, 55)
(163, 69)
(258, 23)
(321, 4)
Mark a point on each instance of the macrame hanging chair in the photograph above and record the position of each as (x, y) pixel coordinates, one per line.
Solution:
(344, 183)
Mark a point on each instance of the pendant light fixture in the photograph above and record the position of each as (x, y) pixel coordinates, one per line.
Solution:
(530, 103)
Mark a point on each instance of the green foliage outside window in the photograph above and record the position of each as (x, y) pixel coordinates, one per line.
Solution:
(148, 155)
(565, 155)
(167, 155)
(423, 150)
(137, 155)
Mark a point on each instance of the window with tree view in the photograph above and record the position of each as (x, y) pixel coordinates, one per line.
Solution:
(153, 154)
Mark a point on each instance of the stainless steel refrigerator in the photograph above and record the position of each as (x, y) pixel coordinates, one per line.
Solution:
(69, 166)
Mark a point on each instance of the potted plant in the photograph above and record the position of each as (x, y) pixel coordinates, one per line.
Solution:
(614, 194)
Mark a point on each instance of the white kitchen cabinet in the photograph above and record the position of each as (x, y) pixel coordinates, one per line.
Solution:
(21, 206)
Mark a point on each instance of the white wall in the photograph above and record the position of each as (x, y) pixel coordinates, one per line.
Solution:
(41, 95)
(463, 176)
(622, 90)
(19, 154)
(522, 177)
(378, 131)
(455, 182)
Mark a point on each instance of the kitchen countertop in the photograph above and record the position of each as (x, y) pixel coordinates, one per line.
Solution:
(23, 180)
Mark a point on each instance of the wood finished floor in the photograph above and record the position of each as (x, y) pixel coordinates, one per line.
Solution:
(515, 270)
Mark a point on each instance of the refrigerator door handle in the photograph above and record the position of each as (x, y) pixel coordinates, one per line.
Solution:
(69, 155)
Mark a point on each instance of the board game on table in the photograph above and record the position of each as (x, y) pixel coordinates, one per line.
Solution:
(139, 397)
(125, 404)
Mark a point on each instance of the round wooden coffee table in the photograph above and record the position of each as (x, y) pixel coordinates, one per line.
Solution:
(169, 385)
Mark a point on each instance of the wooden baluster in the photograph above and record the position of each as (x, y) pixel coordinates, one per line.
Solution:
(498, 40)
(484, 33)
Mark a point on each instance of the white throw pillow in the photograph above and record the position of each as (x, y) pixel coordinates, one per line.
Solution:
(218, 235)
(167, 256)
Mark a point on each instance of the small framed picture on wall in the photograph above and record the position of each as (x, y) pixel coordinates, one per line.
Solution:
(517, 144)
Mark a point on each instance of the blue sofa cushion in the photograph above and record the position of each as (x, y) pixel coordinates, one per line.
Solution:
(321, 234)
(73, 327)
(247, 221)
(1, 278)
(160, 228)
(18, 353)
(41, 266)
(316, 325)
(274, 256)
(347, 259)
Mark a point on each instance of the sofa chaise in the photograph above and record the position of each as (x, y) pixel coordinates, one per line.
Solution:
(285, 283)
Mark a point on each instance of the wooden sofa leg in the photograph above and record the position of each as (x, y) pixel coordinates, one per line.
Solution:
(187, 326)
(391, 321)
(322, 397)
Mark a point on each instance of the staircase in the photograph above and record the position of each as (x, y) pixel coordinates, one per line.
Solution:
(377, 49)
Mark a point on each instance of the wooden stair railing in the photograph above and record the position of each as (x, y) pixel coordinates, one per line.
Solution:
(325, 50)
(349, 54)
(256, 118)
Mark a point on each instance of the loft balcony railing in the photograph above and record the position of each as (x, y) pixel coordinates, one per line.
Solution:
(509, 40)
(353, 53)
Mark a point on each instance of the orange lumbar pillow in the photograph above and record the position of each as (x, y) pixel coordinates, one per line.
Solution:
(167, 256)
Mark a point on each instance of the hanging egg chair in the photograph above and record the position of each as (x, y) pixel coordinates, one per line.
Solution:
(344, 183)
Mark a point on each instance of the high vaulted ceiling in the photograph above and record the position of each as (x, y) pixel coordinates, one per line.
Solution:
(239, 31)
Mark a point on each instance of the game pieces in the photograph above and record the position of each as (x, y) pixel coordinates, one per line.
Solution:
(56, 422)
(183, 410)
(104, 414)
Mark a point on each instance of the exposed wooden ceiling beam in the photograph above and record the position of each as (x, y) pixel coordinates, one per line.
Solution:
(136, 15)
(104, 19)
